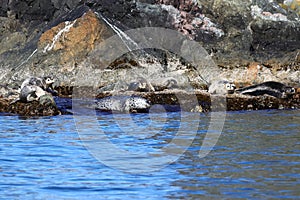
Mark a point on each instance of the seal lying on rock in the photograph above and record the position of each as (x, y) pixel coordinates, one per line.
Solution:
(123, 104)
(46, 83)
(272, 88)
(29, 93)
(140, 85)
(164, 83)
(222, 87)
(159, 84)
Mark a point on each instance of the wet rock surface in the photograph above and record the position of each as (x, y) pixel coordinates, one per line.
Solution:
(34, 108)
(201, 101)
(159, 101)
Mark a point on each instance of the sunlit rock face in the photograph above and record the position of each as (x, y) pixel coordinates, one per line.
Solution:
(73, 40)
(59, 36)
(247, 42)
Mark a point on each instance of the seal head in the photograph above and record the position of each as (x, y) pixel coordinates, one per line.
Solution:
(222, 87)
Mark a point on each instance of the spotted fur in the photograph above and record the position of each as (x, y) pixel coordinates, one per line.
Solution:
(46, 83)
(29, 93)
(122, 104)
(222, 87)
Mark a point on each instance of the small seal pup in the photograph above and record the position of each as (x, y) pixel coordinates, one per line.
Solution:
(165, 83)
(222, 87)
(123, 104)
(29, 93)
(46, 83)
(160, 84)
(141, 85)
(272, 88)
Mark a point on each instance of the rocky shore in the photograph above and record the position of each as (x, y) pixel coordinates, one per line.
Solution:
(201, 101)
(171, 100)
(34, 108)
(245, 42)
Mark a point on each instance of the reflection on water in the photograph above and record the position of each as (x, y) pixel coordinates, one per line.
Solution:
(257, 156)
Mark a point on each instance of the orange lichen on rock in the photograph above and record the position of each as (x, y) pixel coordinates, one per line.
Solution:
(73, 39)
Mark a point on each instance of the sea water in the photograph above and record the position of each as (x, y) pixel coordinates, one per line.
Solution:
(257, 156)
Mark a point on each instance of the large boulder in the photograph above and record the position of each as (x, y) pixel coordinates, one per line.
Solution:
(71, 41)
(45, 107)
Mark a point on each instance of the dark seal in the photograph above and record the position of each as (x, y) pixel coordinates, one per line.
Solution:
(272, 88)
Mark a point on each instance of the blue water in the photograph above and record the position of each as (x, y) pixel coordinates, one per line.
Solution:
(257, 156)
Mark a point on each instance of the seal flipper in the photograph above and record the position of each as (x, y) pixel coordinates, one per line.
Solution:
(15, 101)
(52, 91)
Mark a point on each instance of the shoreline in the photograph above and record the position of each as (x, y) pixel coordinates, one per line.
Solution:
(190, 101)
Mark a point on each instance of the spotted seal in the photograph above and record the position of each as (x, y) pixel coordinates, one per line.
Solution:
(141, 85)
(29, 93)
(222, 87)
(165, 83)
(46, 83)
(272, 88)
(159, 84)
(123, 104)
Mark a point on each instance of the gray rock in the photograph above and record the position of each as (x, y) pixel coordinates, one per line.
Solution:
(47, 100)
(249, 34)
